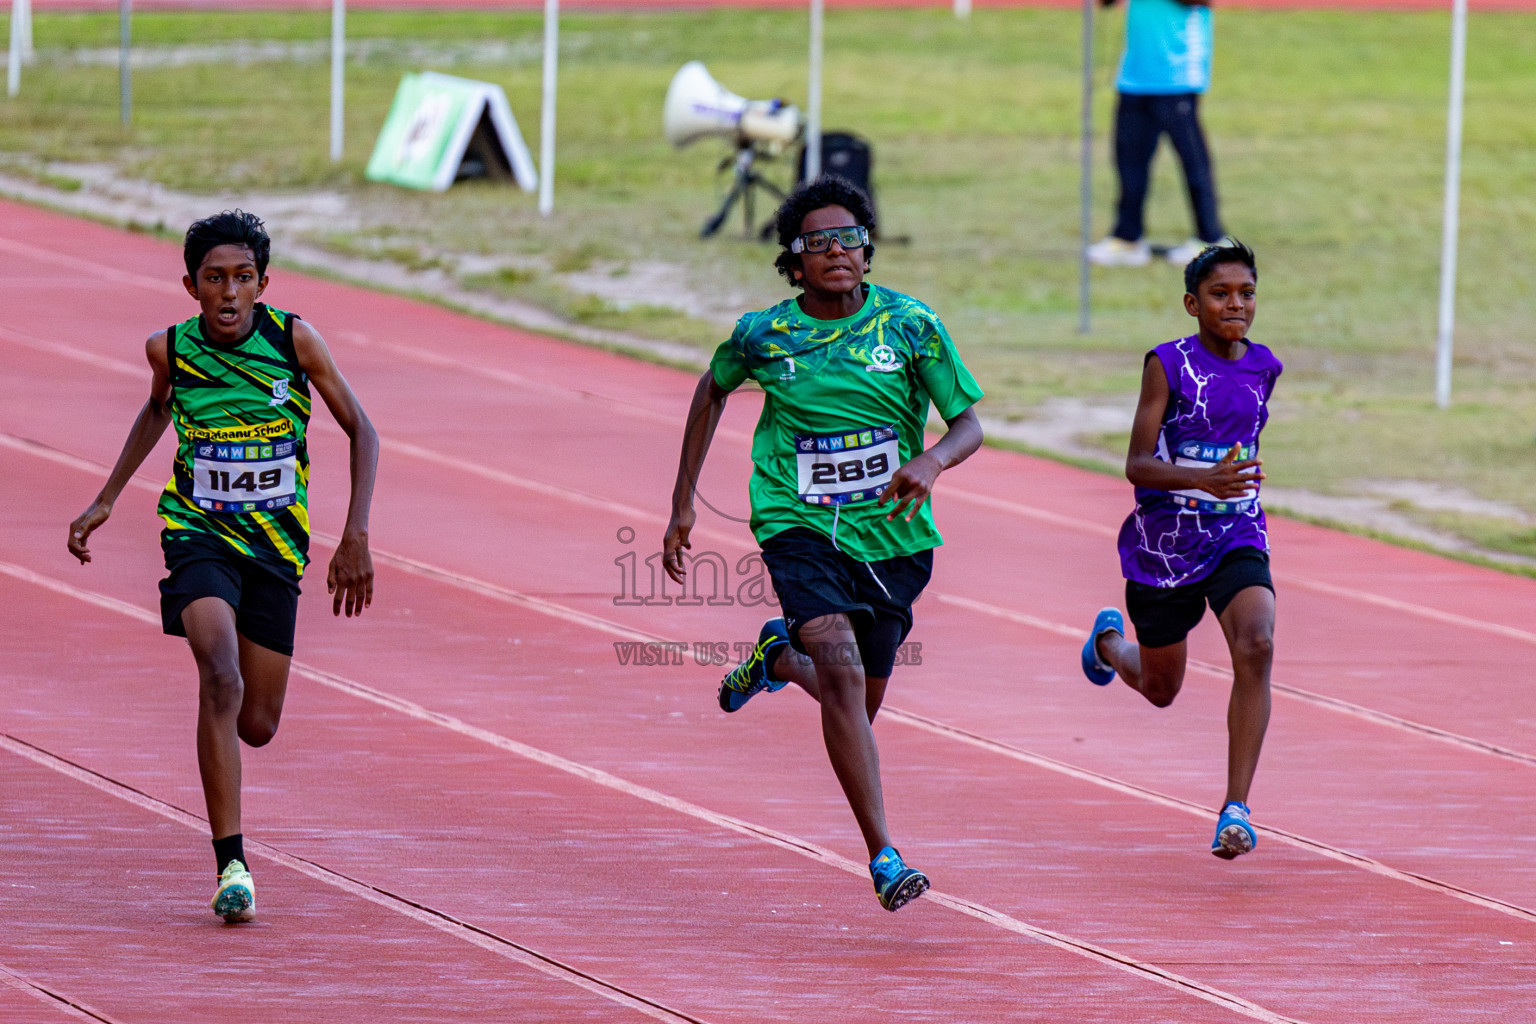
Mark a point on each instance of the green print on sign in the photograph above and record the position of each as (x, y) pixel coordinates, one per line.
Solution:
(436, 121)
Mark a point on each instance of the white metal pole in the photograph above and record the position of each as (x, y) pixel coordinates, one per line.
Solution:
(23, 11)
(1447, 325)
(962, 9)
(1085, 172)
(813, 94)
(124, 76)
(338, 77)
(547, 113)
(13, 67)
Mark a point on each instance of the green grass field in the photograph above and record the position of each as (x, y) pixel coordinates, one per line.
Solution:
(1328, 130)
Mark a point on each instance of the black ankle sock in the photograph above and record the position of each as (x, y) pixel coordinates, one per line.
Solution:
(227, 849)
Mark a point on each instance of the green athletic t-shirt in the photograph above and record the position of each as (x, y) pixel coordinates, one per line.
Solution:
(242, 464)
(846, 402)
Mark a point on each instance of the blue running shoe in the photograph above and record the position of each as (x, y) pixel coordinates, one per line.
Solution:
(1094, 668)
(1234, 836)
(895, 883)
(751, 676)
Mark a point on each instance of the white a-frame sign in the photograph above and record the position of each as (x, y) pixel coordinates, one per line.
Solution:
(442, 129)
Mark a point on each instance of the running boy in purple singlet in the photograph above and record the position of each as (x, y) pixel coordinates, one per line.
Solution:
(1197, 534)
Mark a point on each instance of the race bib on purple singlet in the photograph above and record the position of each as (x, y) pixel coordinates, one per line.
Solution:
(1204, 455)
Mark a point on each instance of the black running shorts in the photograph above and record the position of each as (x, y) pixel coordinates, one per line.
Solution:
(813, 578)
(266, 604)
(1164, 615)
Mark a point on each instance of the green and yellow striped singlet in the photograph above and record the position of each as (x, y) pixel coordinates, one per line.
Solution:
(242, 465)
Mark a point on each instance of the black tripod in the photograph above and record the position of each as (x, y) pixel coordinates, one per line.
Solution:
(743, 182)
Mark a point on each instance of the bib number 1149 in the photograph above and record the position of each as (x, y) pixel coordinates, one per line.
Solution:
(249, 482)
(259, 476)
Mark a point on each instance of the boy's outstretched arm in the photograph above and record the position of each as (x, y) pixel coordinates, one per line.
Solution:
(703, 416)
(151, 422)
(350, 576)
(1227, 479)
(911, 484)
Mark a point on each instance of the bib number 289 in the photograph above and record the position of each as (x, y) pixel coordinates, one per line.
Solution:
(839, 469)
(852, 471)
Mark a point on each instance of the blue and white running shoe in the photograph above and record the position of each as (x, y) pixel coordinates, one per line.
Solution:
(1094, 668)
(895, 883)
(1234, 836)
(752, 676)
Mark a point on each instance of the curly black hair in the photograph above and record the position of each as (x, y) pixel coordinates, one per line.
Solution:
(827, 190)
(1212, 256)
(232, 227)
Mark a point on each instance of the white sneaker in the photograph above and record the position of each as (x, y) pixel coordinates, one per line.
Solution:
(1110, 251)
(1180, 255)
(236, 898)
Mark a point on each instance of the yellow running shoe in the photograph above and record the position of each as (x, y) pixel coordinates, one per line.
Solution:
(236, 898)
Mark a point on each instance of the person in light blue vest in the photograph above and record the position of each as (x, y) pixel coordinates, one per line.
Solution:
(1166, 66)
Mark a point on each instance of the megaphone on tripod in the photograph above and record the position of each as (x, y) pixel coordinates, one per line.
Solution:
(698, 107)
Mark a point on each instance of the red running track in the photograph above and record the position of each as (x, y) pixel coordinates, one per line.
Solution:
(477, 810)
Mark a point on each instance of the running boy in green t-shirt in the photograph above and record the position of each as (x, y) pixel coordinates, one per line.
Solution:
(236, 381)
(840, 484)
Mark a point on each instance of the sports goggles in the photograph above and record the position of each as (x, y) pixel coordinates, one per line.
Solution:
(821, 241)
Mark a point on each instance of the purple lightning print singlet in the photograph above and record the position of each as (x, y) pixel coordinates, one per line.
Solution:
(1177, 537)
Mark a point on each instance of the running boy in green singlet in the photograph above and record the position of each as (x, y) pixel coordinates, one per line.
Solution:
(840, 484)
(237, 381)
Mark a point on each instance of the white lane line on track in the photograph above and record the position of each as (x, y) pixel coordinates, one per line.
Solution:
(1306, 582)
(103, 271)
(953, 732)
(465, 366)
(1074, 523)
(1375, 867)
(1307, 696)
(125, 368)
(1434, 614)
(43, 994)
(570, 494)
(79, 355)
(504, 594)
(554, 609)
(1031, 512)
(1106, 957)
(492, 590)
(973, 497)
(404, 906)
